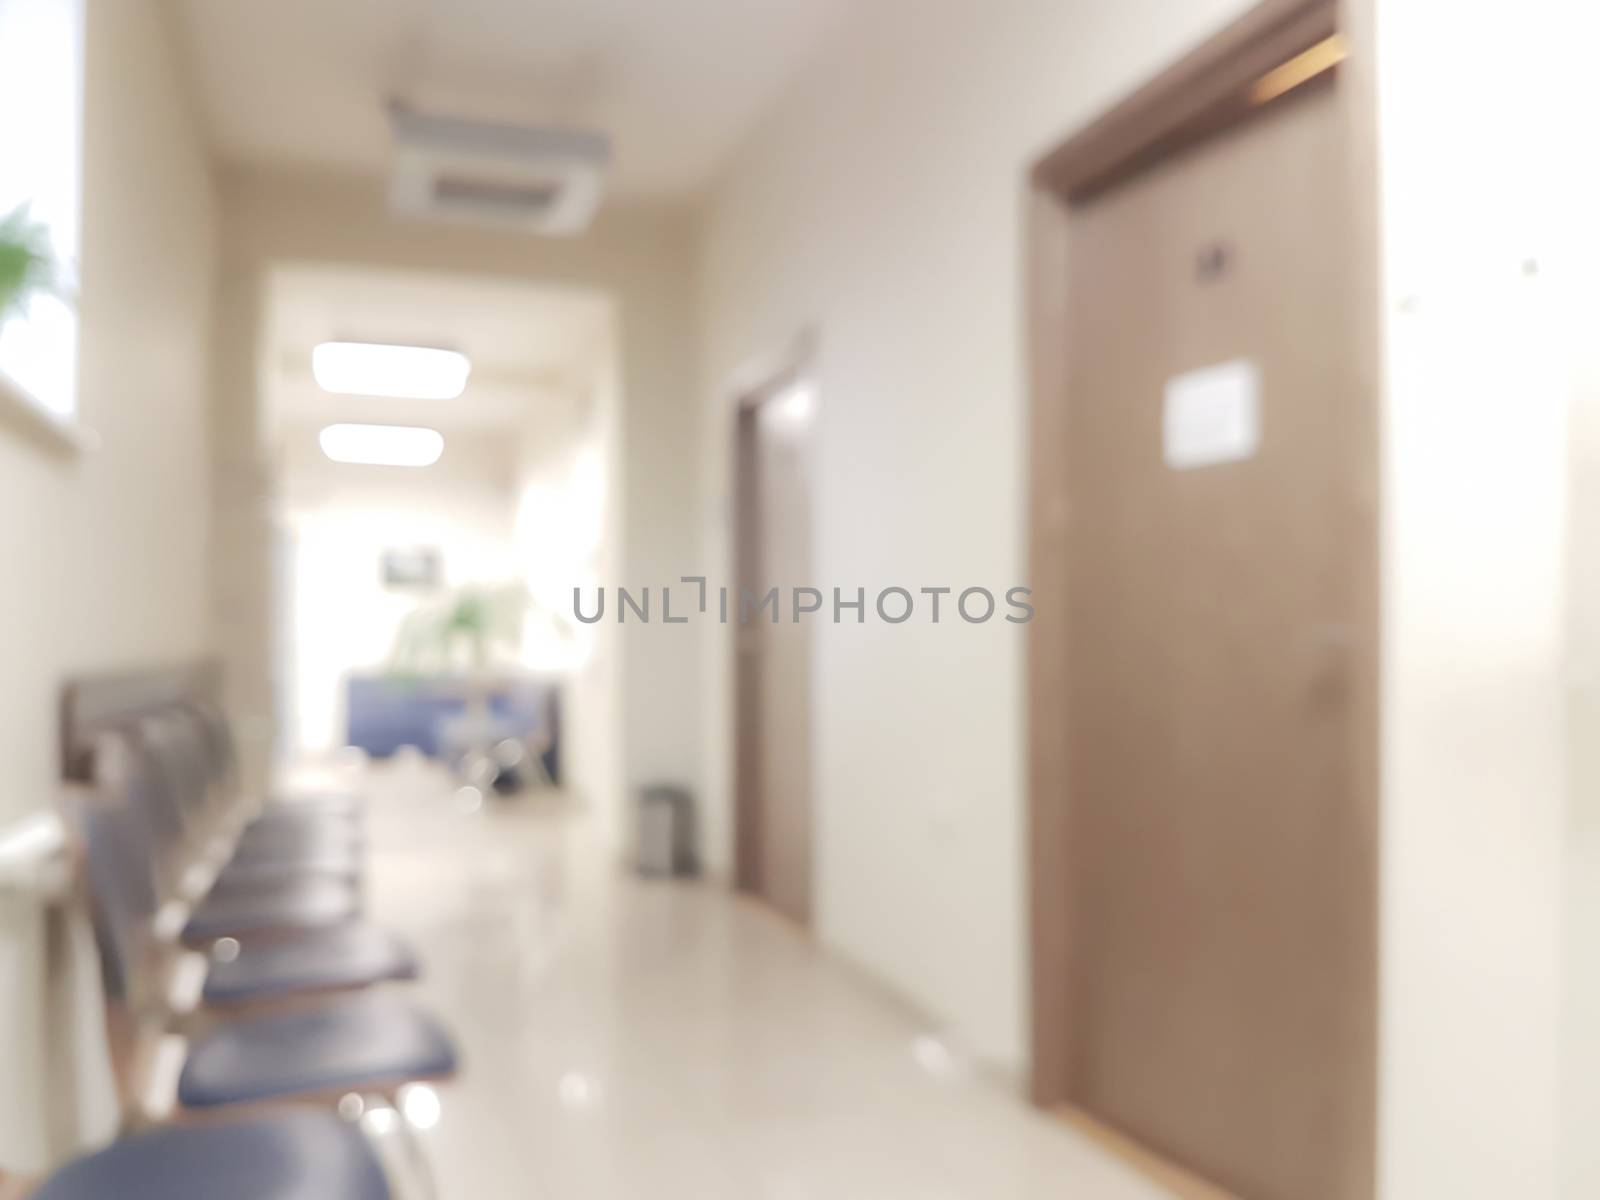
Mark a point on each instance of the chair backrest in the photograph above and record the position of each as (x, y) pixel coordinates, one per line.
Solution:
(132, 770)
(176, 753)
(162, 775)
(217, 734)
(119, 854)
(159, 765)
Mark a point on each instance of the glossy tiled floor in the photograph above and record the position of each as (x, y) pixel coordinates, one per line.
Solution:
(626, 1040)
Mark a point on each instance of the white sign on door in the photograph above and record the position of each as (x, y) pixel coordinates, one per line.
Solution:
(1212, 415)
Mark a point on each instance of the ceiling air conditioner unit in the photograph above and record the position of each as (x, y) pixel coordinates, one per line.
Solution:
(545, 181)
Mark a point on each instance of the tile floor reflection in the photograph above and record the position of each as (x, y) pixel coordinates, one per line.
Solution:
(625, 1039)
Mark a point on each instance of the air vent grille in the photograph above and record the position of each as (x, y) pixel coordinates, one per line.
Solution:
(458, 189)
(537, 180)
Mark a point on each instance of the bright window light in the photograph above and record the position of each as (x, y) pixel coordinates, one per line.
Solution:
(382, 445)
(408, 372)
(41, 56)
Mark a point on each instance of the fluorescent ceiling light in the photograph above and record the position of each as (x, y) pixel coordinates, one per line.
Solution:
(409, 372)
(382, 445)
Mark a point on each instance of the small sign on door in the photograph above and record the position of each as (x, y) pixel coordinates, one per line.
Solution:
(1212, 415)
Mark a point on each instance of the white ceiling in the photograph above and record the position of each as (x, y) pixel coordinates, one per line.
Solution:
(675, 83)
(528, 345)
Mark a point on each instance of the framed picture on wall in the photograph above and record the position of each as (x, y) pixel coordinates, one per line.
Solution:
(419, 568)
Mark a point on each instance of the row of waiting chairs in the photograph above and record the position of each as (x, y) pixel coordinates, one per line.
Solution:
(232, 932)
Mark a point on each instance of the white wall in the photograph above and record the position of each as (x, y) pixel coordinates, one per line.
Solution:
(1489, 813)
(882, 204)
(1573, 196)
(567, 534)
(104, 555)
(340, 519)
(1580, 1031)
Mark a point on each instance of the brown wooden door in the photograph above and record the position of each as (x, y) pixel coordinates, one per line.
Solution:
(774, 657)
(1220, 865)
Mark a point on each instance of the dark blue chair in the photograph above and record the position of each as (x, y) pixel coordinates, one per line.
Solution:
(279, 907)
(223, 757)
(368, 1042)
(280, 846)
(283, 875)
(374, 1041)
(336, 958)
(333, 956)
(287, 1156)
(198, 789)
(386, 713)
(327, 951)
(283, 838)
(254, 873)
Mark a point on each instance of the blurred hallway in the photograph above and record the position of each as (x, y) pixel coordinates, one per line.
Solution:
(1064, 535)
(626, 1038)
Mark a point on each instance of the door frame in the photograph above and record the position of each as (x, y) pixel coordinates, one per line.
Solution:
(1271, 52)
(760, 381)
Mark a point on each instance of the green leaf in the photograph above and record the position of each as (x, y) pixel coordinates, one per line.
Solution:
(27, 265)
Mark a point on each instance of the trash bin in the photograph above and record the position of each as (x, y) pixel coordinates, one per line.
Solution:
(664, 835)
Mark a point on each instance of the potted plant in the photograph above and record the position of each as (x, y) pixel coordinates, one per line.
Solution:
(467, 642)
(27, 263)
(464, 634)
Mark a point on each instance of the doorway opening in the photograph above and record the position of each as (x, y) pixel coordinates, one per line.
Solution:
(773, 856)
(423, 601)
